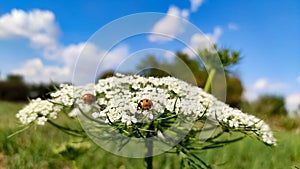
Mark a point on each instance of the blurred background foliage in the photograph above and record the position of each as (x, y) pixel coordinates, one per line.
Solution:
(15, 89)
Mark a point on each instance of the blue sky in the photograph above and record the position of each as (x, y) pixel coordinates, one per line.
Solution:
(41, 39)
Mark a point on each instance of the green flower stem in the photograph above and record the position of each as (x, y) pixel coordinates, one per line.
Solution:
(148, 160)
(149, 146)
(74, 164)
(194, 159)
(209, 80)
(73, 132)
(19, 131)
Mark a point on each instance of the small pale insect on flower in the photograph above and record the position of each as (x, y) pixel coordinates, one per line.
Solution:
(88, 98)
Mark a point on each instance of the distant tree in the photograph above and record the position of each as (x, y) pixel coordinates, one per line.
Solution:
(15, 78)
(154, 72)
(234, 91)
(41, 90)
(106, 74)
(182, 67)
(228, 57)
(197, 68)
(150, 66)
(13, 89)
(269, 105)
(149, 61)
(297, 113)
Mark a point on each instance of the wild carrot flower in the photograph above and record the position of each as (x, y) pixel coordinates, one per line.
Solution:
(117, 99)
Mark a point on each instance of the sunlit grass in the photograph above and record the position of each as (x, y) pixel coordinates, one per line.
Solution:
(250, 153)
(34, 149)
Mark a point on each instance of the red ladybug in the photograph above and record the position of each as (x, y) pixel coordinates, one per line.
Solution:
(88, 98)
(145, 104)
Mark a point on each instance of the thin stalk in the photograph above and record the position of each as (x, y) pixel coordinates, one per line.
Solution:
(73, 132)
(74, 164)
(149, 145)
(149, 159)
(209, 79)
(19, 131)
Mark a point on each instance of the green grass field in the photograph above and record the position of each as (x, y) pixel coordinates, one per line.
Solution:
(34, 149)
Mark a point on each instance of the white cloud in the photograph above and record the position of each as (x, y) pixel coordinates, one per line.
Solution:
(263, 86)
(79, 70)
(169, 55)
(197, 42)
(170, 25)
(216, 34)
(233, 26)
(203, 41)
(298, 79)
(114, 57)
(92, 61)
(58, 63)
(195, 4)
(250, 94)
(292, 102)
(277, 86)
(260, 84)
(38, 26)
(35, 71)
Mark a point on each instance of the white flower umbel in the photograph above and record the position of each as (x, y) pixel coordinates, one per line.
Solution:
(117, 101)
(39, 110)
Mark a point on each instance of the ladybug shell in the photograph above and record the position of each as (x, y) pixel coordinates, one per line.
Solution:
(88, 98)
(145, 104)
